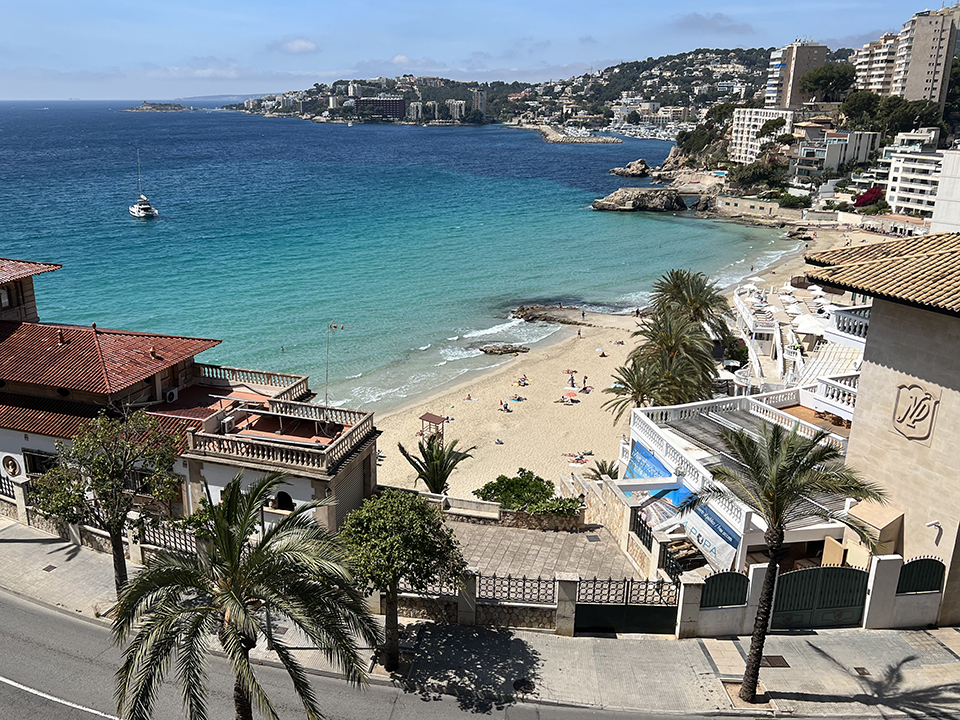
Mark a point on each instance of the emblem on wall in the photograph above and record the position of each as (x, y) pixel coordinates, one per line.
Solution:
(914, 412)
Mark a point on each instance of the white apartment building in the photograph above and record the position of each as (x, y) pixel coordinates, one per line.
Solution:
(924, 140)
(787, 65)
(457, 108)
(925, 54)
(479, 100)
(415, 111)
(946, 212)
(875, 63)
(833, 149)
(744, 144)
(914, 178)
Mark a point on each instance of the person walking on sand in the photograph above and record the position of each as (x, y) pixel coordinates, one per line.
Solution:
(583, 315)
(584, 382)
(573, 382)
(578, 333)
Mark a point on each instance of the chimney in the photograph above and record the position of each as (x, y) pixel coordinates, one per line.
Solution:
(94, 326)
(60, 340)
(153, 352)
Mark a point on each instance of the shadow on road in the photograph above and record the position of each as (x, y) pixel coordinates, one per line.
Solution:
(483, 667)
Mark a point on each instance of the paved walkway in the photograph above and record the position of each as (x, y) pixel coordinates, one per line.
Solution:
(853, 673)
(518, 552)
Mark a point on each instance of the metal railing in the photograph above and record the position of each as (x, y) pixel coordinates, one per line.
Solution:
(670, 564)
(170, 538)
(627, 592)
(434, 589)
(640, 528)
(6, 487)
(536, 591)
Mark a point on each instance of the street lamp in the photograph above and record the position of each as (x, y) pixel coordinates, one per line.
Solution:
(326, 380)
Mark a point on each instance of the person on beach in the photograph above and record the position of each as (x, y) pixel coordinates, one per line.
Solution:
(637, 313)
(583, 315)
(578, 333)
(573, 382)
(584, 382)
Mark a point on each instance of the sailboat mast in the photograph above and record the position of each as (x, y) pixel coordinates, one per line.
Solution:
(139, 184)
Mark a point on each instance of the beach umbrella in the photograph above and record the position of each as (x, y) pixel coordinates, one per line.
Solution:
(748, 286)
(817, 293)
(570, 394)
(809, 325)
(814, 288)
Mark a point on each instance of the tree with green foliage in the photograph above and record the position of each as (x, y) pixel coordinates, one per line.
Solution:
(693, 294)
(528, 493)
(761, 172)
(178, 604)
(634, 385)
(633, 117)
(472, 117)
(603, 467)
(794, 202)
(859, 109)
(436, 462)
(721, 113)
(394, 536)
(772, 127)
(776, 476)
(100, 473)
(829, 83)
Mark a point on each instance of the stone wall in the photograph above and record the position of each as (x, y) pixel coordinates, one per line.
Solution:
(732, 206)
(517, 616)
(47, 524)
(641, 556)
(99, 540)
(442, 609)
(555, 523)
(8, 508)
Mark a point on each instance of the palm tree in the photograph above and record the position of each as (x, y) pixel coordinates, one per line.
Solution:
(776, 476)
(436, 462)
(676, 350)
(696, 296)
(296, 571)
(603, 467)
(634, 387)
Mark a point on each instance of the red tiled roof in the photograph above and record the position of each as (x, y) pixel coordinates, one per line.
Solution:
(11, 270)
(61, 418)
(86, 358)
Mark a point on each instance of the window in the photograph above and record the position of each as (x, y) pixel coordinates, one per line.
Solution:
(38, 462)
(4, 298)
(285, 502)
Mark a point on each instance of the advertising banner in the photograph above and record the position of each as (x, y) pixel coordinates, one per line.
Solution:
(716, 539)
(643, 464)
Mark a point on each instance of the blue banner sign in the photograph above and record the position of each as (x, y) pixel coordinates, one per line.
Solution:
(643, 464)
(717, 541)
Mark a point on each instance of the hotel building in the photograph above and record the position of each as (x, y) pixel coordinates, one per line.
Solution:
(787, 65)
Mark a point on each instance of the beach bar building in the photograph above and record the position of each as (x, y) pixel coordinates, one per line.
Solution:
(54, 378)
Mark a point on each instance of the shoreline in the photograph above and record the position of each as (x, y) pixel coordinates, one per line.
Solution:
(540, 433)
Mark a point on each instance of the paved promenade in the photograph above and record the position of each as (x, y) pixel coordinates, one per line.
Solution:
(853, 673)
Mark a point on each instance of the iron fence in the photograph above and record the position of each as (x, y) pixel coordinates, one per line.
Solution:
(670, 564)
(170, 539)
(516, 589)
(641, 529)
(627, 592)
(440, 589)
(6, 487)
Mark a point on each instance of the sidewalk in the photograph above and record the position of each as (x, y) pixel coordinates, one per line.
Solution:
(910, 673)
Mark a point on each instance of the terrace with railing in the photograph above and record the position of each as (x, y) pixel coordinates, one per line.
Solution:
(849, 326)
(279, 386)
(837, 394)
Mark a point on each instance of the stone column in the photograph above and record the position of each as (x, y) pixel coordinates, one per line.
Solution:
(688, 612)
(659, 538)
(567, 586)
(467, 598)
(756, 575)
(133, 537)
(880, 610)
(20, 496)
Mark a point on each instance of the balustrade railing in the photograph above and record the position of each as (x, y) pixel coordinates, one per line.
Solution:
(345, 444)
(258, 450)
(804, 429)
(253, 377)
(853, 321)
(839, 389)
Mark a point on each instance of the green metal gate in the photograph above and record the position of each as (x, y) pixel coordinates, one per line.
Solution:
(820, 597)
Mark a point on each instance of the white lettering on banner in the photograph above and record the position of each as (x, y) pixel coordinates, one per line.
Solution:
(716, 540)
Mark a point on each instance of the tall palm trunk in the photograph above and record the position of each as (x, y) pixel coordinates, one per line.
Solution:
(241, 699)
(119, 559)
(391, 632)
(751, 673)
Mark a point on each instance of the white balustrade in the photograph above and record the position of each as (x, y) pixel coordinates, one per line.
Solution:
(253, 377)
(853, 321)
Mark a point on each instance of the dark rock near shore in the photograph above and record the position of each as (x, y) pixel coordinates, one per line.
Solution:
(702, 204)
(504, 349)
(635, 169)
(635, 199)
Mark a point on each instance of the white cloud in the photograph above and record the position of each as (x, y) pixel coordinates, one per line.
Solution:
(400, 60)
(294, 46)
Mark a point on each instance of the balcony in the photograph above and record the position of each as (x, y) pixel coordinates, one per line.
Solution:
(849, 326)
(279, 386)
(837, 394)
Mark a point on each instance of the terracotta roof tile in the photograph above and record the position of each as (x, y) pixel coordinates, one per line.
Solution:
(86, 358)
(922, 271)
(11, 270)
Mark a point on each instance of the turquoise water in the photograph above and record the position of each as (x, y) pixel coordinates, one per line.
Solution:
(418, 240)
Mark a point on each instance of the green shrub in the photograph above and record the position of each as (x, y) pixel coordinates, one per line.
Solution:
(528, 492)
(795, 201)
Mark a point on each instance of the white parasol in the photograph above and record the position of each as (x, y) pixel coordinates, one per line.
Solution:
(809, 325)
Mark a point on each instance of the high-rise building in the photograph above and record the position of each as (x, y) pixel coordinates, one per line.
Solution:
(875, 63)
(787, 66)
(744, 143)
(480, 100)
(457, 108)
(925, 54)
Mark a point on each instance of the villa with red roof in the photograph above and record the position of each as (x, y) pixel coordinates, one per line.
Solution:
(54, 378)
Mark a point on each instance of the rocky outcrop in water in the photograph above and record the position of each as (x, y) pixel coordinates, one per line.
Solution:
(645, 199)
(635, 169)
(702, 204)
(504, 349)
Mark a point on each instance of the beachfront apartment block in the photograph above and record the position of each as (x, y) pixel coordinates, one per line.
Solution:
(479, 100)
(55, 377)
(946, 211)
(923, 141)
(744, 144)
(830, 150)
(913, 183)
(915, 63)
(787, 65)
(458, 108)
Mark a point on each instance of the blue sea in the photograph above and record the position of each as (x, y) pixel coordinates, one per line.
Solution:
(419, 241)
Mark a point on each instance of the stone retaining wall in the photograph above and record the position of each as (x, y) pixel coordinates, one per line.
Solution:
(442, 609)
(99, 540)
(40, 521)
(554, 523)
(8, 508)
(517, 616)
(641, 556)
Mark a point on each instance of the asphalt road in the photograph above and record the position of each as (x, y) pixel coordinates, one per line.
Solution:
(57, 667)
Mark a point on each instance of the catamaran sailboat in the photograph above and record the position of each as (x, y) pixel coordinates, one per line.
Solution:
(142, 207)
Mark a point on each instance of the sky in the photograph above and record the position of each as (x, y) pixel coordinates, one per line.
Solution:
(108, 50)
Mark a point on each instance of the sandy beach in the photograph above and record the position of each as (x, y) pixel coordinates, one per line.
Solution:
(538, 433)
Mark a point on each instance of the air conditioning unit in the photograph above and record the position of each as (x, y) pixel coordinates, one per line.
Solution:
(170, 395)
(228, 424)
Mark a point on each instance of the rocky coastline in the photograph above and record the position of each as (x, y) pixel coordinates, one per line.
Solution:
(635, 169)
(552, 135)
(158, 107)
(642, 199)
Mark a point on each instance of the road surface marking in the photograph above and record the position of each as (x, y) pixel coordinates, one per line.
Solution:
(44, 695)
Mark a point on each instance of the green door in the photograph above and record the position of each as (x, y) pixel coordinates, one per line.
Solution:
(820, 597)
